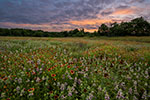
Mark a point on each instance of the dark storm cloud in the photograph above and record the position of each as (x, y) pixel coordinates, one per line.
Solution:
(122, 7)
(109, 11)
(42, 11)
(105, 13)
(140, 1)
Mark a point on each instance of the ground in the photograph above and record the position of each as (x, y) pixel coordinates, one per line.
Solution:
(95, 68)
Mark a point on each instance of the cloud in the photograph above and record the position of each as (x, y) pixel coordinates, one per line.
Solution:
(90, 22)
(124, 12)
(66, 14)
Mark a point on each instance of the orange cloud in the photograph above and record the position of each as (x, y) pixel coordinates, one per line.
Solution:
(90, 21)
(123, 12)
(126, 11)
(44, 26)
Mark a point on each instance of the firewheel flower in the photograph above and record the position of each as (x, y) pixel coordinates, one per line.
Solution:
(53, 75)
(31, 89)
(72, 72)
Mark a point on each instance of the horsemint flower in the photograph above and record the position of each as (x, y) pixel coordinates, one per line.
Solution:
(120, 95)
(107, 96)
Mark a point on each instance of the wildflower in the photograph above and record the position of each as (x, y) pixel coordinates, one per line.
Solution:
(43, 78)
(94, 84)
(22, 92)
(76, 92)
(31, 90)
(49, 69)
(54, 79)
(33, 72)
(38, 62)
(74, 84)
(79, 81)
(135, 98)
(66, 83)
(100, 88)
(72, 72)
(70, 77)
(31, 94)
(28, 80)
(37, 69)
(5, 78)
(37, 79)
(146, 84)
(63, 76)
(63, 97)
(5, 86)
(62, 87)
(107, 96)
(120, 95)
(90, 96)
(19, 80)
(135, 82)
(86, 69)
(58, 83)
(75, 79)
(56, 96)
(53, 75)
(135, 91)
(130, 90)
(122, 85)
(80, 72)
(50, 92)
(146, 72)
(68, 66)
(69, 94)
(17, 88)
(144, 96)
(2, 95)
(72, 89)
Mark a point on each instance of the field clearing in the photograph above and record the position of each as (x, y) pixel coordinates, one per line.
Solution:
(115, 68)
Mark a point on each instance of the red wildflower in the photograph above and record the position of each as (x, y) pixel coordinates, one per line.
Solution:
(68, 66)
(5, 78)
(31, 89)
(56, 96)
(50, 92)
(33, 73)
(53, 75)
(54, 79)
(72, 72)
(49, 69)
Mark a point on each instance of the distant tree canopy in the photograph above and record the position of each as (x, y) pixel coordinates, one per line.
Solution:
(136, 27)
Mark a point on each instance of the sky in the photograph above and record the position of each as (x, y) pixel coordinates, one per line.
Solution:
(64, 15)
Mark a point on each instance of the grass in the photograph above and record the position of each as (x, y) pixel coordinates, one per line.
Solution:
(74, 68)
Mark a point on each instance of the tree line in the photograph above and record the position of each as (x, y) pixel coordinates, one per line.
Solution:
(136, 27)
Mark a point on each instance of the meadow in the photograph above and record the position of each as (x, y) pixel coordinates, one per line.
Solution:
(96, 68)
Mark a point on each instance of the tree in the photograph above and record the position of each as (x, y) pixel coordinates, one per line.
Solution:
(103, 30)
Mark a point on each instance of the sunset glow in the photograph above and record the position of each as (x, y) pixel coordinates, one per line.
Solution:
(61, 15)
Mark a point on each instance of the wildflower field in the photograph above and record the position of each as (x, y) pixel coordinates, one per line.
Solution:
(74, 68)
